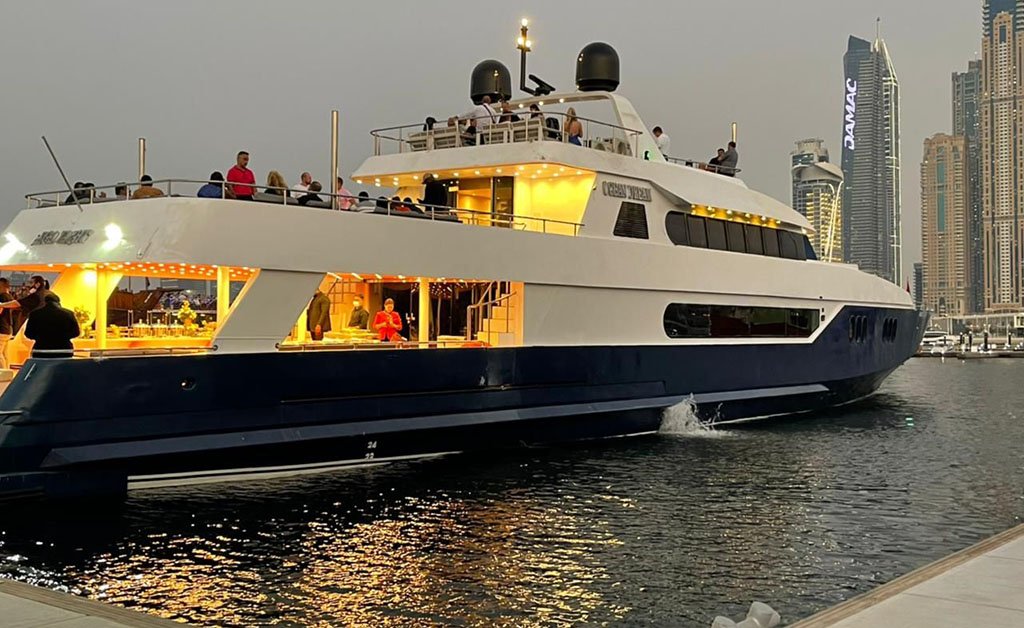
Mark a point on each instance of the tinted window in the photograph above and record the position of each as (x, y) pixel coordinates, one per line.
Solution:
(675, 226)
(688, 321)
(752, 233)
(716, 235)
(698, 237)
(731, 321)
(788, 246)
(734, 231)
(631, 221)
(771, 241)
(808, 249)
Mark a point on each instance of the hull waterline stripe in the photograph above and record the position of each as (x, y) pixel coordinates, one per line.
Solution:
(253, 473)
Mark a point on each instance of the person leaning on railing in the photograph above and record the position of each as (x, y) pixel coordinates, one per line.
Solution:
(146, 189)
(215, 188)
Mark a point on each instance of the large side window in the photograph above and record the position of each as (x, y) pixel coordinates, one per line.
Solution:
(752, 234)
(695, 228)
(631, 221)
(675, 226)
(684, 320)
(716, 235)
(734, 234)
(790, 247)
(688, 321)
(771, 241)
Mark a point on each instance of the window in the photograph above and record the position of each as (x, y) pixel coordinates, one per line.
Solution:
(752, 234)
(790, 246)
(858, 328)
(698, 234)
(716, 235)
(889, 329)
(734, 234)
(734, 321)
(631, 221)
(771, 242)
(675, 226)
(809, 249)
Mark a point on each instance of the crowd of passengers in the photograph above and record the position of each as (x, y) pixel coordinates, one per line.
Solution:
(472, 125)
(240, 184)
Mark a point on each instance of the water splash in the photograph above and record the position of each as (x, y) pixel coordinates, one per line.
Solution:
(682, 420)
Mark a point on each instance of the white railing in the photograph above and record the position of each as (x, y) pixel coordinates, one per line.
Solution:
(703, 165)
(520, 125)
(362, 204)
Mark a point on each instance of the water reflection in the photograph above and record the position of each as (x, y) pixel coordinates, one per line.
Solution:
(667, 530)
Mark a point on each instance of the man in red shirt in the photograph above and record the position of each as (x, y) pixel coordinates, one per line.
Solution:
(243, 180)
(388, 323)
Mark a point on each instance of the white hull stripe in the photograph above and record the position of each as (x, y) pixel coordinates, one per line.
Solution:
(262, 473)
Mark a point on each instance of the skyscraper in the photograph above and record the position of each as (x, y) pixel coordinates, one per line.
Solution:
(817, 186)
(967, 123)
(945, 209)
(1002, 119)
(872, 226)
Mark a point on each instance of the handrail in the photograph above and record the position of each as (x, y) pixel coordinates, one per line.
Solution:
(362, 204)
(631, 136)
(703, 165)
(475, 312)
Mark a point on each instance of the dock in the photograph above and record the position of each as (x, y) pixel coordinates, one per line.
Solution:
(26, 606)
(982, 585)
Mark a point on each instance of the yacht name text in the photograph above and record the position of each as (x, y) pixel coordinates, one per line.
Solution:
(623, 190)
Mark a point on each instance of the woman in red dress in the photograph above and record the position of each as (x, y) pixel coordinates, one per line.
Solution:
(388, 323)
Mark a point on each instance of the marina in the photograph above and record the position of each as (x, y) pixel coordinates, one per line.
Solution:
(489, 350)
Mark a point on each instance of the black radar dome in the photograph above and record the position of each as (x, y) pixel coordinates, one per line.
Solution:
(597, 68)
(490, 78)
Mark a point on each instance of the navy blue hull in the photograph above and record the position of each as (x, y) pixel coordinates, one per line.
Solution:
(125, 417)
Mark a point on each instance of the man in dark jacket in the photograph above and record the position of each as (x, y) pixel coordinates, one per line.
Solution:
(52, 327)
(318, 316)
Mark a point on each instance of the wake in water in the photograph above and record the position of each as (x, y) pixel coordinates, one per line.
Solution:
(682, 420)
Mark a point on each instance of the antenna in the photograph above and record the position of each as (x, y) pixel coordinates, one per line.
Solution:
(878, 28)
(71, 190)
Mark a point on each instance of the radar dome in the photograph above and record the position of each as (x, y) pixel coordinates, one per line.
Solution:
(597, 68)
(490, 78)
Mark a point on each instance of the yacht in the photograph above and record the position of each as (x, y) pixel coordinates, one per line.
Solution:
(550, 287)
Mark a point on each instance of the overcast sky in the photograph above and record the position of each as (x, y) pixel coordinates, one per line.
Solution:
(201, 79)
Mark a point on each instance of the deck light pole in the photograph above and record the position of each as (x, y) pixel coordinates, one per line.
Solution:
(524, 45)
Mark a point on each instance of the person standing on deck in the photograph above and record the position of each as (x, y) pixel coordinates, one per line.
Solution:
(730, 161)
(52, 327)
(662, 139)
(242, 179)
(318, 316)
(6, 320)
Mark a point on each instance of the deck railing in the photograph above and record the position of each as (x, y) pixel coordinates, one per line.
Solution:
(360, 204)
(703, 165)
(530, 127)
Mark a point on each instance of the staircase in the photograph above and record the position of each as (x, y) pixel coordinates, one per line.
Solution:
(492, 320)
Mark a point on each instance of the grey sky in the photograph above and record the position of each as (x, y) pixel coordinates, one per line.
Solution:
(202, 79)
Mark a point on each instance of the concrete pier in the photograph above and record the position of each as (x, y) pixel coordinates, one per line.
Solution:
(26, 606)
(982, 585)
